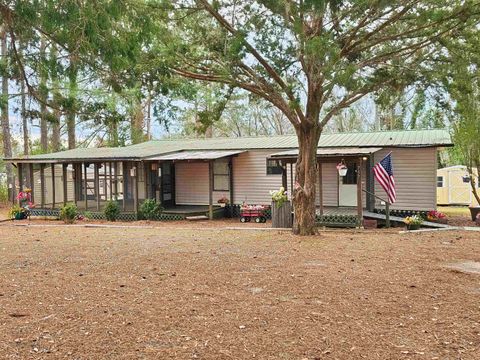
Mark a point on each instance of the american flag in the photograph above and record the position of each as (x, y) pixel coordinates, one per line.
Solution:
(383, 172)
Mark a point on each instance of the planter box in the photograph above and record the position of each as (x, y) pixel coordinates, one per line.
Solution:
(439, 221)
(370, 223)
(474, 211)
(413, 227)
(282, 216)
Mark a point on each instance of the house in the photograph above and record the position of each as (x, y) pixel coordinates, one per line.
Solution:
(454, 186)
(190, 175)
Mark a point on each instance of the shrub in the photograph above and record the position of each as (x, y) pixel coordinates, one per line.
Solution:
(150, 209)
(3, 192)
(69, 213)
(14, 211)
(112, 210)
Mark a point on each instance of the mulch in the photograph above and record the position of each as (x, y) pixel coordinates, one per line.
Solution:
(164, 293)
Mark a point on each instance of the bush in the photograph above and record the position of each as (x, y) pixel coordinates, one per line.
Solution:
(112, 210)
(69, 213)
(3, 193)
(14, 211)
(150, 209)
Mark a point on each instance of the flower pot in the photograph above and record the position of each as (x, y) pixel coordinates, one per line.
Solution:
(413, 226)
(342, 171)
(20, 216)
(474, 211)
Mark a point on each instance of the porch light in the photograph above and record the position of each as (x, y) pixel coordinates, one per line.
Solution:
(342, 168)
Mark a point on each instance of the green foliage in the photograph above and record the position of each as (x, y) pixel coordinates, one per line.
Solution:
(14, 211)
(111, 210)
(69, 213)
(150, 209)
(3, 192)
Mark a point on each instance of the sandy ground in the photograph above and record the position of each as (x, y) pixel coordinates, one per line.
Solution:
(201, 293)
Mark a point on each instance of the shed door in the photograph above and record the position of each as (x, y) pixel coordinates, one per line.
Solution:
(459, 190)
(347, 189)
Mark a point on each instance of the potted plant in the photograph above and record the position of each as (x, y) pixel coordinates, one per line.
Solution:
(279, 197)
(16, 212)
(413, 222)
(437, 217)
(223, 201)
(342, 168)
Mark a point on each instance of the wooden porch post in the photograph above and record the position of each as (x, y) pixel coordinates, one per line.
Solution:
(32, 185)
(115, 179)
(97, 184)
(145, 179)
(111, 179)
(52, 166)
(291, 182)
(124, 183)
(135, 192)
(20, 178)
(320, 186)
(64, 182)
(42, 186)
(359, 192)
(370, 181)
(284, 176)
(230, 170)
(210, 190)
(85, 186)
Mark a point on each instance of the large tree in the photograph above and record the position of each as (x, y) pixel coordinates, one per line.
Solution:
(310, 59)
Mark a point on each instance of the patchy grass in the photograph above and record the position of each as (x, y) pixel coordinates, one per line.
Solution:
(166, 293)
(455, 210)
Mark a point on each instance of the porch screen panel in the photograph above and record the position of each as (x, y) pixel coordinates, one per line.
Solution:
(221, 175)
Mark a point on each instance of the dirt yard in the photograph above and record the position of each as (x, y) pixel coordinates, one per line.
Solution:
(201, 293)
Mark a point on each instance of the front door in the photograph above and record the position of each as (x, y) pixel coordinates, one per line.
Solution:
(167, 184)
(347, 188)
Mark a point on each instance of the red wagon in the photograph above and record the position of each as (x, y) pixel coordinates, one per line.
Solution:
(256, 213)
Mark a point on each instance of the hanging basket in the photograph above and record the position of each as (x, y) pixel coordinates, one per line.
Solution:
(342, 171)
(342, 168)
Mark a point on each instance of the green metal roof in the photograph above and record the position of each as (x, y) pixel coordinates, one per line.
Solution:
(400, 138)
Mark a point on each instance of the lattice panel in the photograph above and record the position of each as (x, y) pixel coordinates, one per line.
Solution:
(45, 212)
(403, 213)
(337, 220)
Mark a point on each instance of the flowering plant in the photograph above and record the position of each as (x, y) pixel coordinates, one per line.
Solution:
(413, 220)
(279, 196)
(341, 166)
(435, 215)
(223, 200)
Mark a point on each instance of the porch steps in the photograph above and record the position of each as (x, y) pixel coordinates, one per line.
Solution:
(398, 219)
(196, 218)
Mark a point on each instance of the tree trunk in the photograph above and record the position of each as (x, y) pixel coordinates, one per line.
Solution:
(6, 139)
(136, 124)
(44, 95)
(306, 180)
(72, 97)
(26, 137)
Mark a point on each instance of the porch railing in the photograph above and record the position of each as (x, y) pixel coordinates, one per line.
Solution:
(387, 207)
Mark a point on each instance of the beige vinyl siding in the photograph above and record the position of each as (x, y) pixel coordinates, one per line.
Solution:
(415, 171)
(330, 184)
(191, 184)
(251, 182)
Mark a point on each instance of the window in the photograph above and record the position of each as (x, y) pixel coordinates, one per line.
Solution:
(440, 181)
(221, 175)
(274, 167)
(351, 177)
